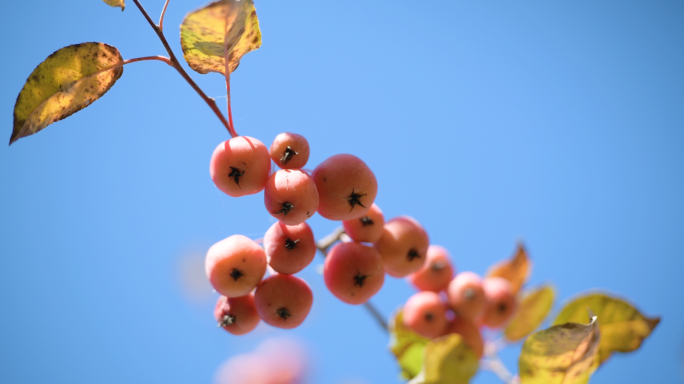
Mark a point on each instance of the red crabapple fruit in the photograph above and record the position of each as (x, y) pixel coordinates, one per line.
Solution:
(466, 296)
(291, 196)
(235, 265)
(346, 187)
(436, 273)
(283, 301)
(500, 301)
(290, 247)
(469, 332)
(403, 246)
(366, 229)
(353, 272)
(290, 151)
(237, 315)
(240, 166)
(425, 313)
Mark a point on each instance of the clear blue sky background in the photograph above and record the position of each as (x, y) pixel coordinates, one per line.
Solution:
(558, 123)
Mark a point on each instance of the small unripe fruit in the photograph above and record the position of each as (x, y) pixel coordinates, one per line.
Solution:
(240, 166)
(290, 247)
(403, 246)
(237, 315)
(425, 313)
(283, 301)
(469, 332)
(290, 150)
(346, 187)
(466, 296)
(353, 272)
(501, 302)
(291, 196)
(436, 273)
(235, 265)
(367, 228)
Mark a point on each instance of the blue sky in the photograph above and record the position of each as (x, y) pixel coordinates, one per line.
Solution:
(559, 124)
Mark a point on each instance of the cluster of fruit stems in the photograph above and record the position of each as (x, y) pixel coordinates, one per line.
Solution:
(492, 363)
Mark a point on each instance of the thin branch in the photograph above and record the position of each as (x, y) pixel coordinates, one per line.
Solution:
(323, 245)
(146, 58)
(161, 18)
(176, 64)
(494, 364)
(230, 113)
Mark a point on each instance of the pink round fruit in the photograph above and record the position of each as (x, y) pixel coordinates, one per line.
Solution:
(240, 166)
(366, 229)
(469, 332)
(466, 296)
(291, 196)
(237, 315)
(501, 303)
(283, 301)
(353, 272)
(290, 247)
(346, 187)
(290, 151)
(403, 246)
(235, 265)
(436, 273)
(425, 313)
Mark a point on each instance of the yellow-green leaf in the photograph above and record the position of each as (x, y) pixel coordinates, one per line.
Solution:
(623, 327)
(448, 360)
(562, 354)
(66, 82)
(226, 25)
(532, 310)
(116, 3)
(516, 270)
(407, 346)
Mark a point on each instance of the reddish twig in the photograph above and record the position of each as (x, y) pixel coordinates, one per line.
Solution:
(161, 18)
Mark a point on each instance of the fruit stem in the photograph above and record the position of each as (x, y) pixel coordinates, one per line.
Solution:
(176, 64)
(161, 18)
(323, 245)
(230, 112)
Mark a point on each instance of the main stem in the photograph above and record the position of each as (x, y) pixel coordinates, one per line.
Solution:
(323, 245)
(176, 64)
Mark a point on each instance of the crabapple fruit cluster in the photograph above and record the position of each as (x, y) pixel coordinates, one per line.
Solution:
(340, 188)
(460, 304)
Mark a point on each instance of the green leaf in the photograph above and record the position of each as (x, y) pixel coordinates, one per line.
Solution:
(448, 360)
(562, 354)
(516, 269)
(532, 310)
(623, 327)
(226, 24)
(66, 82)
(116, 3)
(407, 346)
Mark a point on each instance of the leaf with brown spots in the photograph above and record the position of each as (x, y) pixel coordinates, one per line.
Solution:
(516, 269)
(224, 26)
(66, 82)
(116, 3)
(623, 327)
(562, 354)
(533, 308)
(407, 346)
(448, 360)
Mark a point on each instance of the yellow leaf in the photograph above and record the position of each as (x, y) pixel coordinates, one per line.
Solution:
(623, 327)
(226, 25)
(448, 360)
(532, 310)
(562, 354)
(516, 270)
(66, 82)
(116, 3)
(407, 346)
